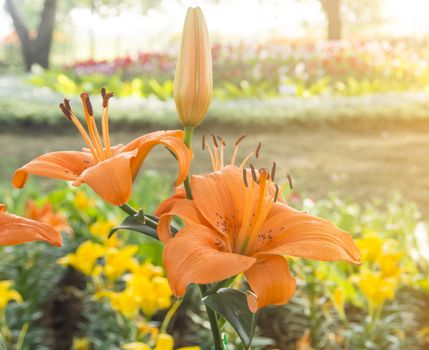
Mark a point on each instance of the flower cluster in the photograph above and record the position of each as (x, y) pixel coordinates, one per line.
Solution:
(235, 220)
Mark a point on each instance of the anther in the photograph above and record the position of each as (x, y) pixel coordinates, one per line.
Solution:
(67, 104)
(85, 98)
(273, 171)
(264, 171)
(289, 179)
(106, 98)
(276, 195)
(103, 93)
(203, 142)
(214, 140)
(66, 111)
(241, 138)
(258, 149)
(245, 177)
(221, 139)
(253, 171)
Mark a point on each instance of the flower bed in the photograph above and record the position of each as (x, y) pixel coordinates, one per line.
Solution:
(296, 68)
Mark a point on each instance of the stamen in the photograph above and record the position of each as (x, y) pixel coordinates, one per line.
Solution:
(245, 177)
(211, 156)
(289, 179)
(65, 111)
(214, 140)
(106, 98)
(69, 114)
(243, 163)
(221, 139)
(234, 153)
(105, 120)
(221, 151)
(88, 104)
(67, 104)
(273, 171)
(253, 171)
(93, 132)
(258, 149)
(216, 153)
(203, 142)
(241, 138)
(276, 194)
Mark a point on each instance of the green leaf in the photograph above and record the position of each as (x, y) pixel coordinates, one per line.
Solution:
(232, 305)
(135, 223)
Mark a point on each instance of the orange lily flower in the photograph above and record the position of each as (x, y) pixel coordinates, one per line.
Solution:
(108, 170)
(16, 230)
(47, 215)
(235, 224)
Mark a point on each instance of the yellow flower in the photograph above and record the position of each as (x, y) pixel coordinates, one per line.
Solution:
(81, 344)
(376, 288)
(7, 294)
(119, 261)
(101, 230)
(124, 302)
(193, 82)
(371, 248)
(82, 201)
(164, 342)
(148, 270)
(390, 264)
(85, 257)
(338, 299)
(145, 328)
(153, 293)
(136, 346)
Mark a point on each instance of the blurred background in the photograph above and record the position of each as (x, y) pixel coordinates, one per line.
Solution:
(337, 91)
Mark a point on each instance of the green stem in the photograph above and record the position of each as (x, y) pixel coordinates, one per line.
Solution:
(128, 209)
(189, 130)
(22, 334)
(170, 315)
(214, 325)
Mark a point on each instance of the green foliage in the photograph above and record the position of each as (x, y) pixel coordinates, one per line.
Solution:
(39, 279)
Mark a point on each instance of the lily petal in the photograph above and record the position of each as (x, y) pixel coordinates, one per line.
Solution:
(183, 208)
(65, 165)
(16, 230)
(299, 234)
(224, 209)
(111, 179)
(198, 254)
(173, 140)
(271, 282)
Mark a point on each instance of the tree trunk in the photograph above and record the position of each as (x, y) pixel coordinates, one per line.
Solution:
(332, 9)
(35, 50)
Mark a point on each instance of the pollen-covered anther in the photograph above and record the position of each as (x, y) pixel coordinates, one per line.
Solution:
(273, 171)
(106, 96)
(222, 140)
(276, 194)
(258, 150)
(289, 179)
(67, 112)
(253, 172)
(241, 138)
(214, 141)
(85, 99)
(245, 177)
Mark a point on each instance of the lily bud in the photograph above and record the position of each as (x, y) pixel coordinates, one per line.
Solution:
(193, 82)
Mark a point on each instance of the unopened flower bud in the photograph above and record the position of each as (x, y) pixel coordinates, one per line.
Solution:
(193, 82)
